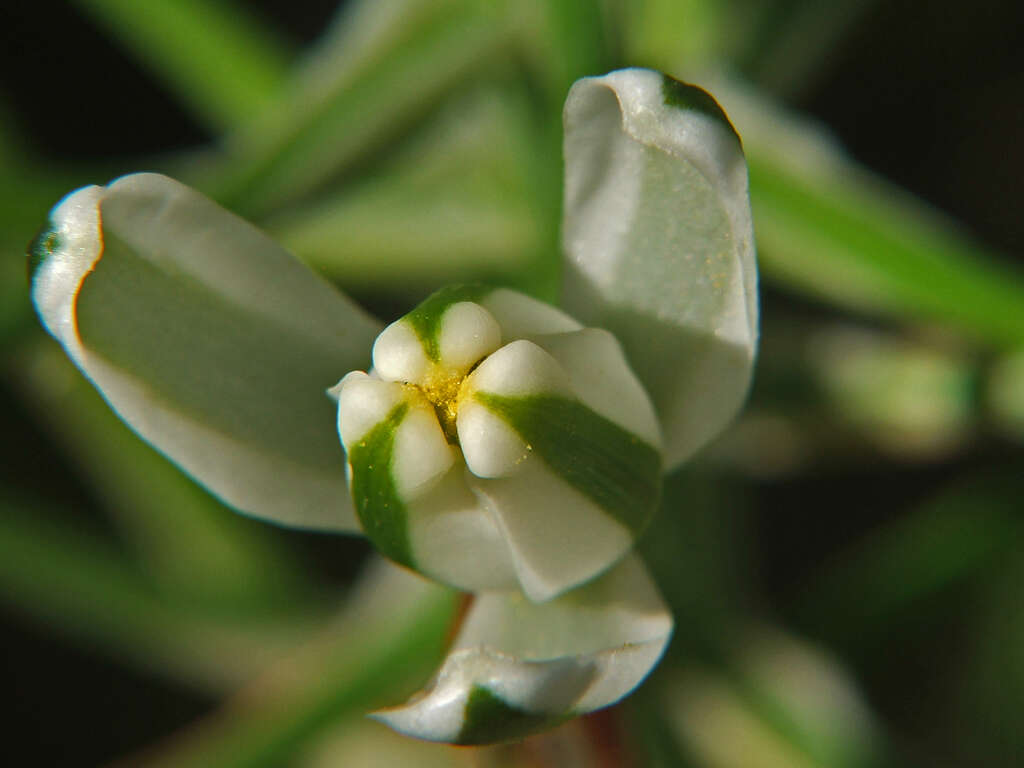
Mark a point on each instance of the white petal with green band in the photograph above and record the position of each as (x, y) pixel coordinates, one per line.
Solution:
(557, 465)
(659, 245)
(518, 667)
(408, 485)
(211, 341)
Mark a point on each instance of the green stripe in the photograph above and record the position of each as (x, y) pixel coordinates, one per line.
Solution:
(381, 512)
(686, 96)
(610, 465)
(46, 241)
(157, 325)
(489, 719)
(425, 319)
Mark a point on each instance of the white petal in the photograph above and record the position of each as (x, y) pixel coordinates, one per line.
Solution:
(490, 446)
(558, 537)
(421, 452)
(398, 354)
(208, 339)
(521, 316)
(659, 244)
(364, 402)
(548, 509)
(519, 368)
(602, 379)
(412, 497)
(455, 540)
(468, 333)
(536, 664)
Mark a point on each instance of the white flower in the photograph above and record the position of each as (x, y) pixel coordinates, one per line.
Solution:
(495, 444)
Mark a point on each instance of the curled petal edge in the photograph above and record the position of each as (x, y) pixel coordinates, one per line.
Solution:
(518, 668)
(659, 244)
(208, 339)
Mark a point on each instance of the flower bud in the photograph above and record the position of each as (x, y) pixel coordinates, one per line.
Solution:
(497, 443)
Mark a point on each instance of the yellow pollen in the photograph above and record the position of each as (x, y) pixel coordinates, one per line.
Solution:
(441, 388)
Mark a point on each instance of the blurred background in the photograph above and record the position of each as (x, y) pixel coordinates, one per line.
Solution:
(844, 564)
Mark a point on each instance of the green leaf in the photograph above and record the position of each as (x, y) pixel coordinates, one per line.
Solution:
(219, 60)
(829, 229)
(677, 35)
(776, 701)
(659, 244)
(792, 45)
(989, 690)
(451, 205)
(80, 587)
(388, 639)
(188, 543)
(895, 570)
(211, 341)
(562, 42)
(337, 114)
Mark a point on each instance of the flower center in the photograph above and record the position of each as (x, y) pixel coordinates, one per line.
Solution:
(441, 389)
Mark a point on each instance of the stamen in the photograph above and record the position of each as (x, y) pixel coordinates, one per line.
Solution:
(441, 388)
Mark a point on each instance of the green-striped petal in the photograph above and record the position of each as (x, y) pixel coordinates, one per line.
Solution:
(408, 487)
(518, 667)
(659, 244)
(499, 443)
(208, 339)
(571, 487)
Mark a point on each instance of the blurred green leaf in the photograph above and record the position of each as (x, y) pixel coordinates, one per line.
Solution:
(389, 639)
(986, 716)
(830, 229)
(677, 35)
(862, 243)
(773, 701)
(698, 547)
(194, 548)
(912, 401)
(451, 205)
(220, 61)
(794, 41)
(80, 587)
(647, 718)
(362, 743)
(1004, 394)
(901, 564)
(557, 43)
(562, 42)
(15, 313)
(335, 115)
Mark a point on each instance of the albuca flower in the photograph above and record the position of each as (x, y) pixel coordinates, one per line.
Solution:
(493, 442)
(558, 436)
